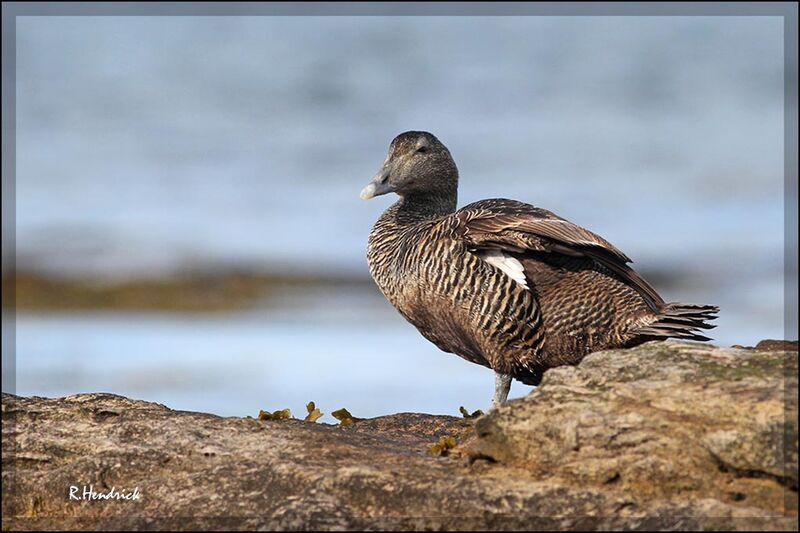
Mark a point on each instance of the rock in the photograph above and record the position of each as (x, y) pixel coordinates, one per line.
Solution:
(771, 345)
(661, 420)
(663, 436)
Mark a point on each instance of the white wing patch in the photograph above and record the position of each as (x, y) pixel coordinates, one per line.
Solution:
(507, 264)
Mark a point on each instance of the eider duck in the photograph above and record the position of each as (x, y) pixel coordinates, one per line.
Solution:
(502, 283)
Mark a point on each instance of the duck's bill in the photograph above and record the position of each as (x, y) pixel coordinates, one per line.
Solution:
(368, 192)
(378, 186)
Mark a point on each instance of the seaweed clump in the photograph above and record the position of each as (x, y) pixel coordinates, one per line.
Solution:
(466, 414)
(313, 412)
(281, 414)
(443, 447)
(344, 417)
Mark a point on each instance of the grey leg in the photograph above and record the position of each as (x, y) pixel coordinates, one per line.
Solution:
(502, 384)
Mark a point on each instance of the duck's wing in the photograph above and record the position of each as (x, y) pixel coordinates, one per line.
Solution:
(516, 228)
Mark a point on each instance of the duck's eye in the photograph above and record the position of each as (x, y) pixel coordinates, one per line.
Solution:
(422, 149)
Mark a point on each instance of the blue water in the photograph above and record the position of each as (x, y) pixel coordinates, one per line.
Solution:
(147, 144)
(359, 354)
(240, 363)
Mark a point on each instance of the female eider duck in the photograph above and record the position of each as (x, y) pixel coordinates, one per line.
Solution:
(502, 283)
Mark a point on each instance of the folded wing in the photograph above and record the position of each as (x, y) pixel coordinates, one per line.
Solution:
(512, 227)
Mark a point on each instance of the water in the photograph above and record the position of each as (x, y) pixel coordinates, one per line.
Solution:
(149, 142)
(360, 355)
(240, 363)
(146, 144)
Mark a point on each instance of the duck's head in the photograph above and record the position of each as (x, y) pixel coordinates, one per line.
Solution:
(418, 164)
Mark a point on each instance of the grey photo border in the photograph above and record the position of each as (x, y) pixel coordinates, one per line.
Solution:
(787, 10)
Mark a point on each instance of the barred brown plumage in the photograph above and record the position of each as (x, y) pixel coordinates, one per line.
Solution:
(502, 283)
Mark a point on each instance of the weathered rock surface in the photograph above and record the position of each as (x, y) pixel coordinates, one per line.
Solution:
(663, 436)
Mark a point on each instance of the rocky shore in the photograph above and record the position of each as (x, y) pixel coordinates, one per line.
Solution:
(663, 436)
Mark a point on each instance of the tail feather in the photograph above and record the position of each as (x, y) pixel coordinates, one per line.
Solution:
(681, 321)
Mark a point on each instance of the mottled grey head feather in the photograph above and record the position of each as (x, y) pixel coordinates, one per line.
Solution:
(418, 165)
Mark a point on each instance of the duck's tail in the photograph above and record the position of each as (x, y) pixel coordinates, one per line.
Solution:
(681, 321)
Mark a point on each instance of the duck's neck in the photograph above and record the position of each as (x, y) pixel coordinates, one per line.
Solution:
(411, 208)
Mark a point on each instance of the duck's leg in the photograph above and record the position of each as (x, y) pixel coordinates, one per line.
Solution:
(502, 384)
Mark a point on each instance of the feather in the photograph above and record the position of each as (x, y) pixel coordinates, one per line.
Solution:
(512, 267)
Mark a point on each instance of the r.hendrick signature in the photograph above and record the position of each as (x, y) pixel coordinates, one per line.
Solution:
(90, 494)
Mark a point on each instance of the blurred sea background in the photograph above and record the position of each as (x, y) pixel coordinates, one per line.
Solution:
(188, 228)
